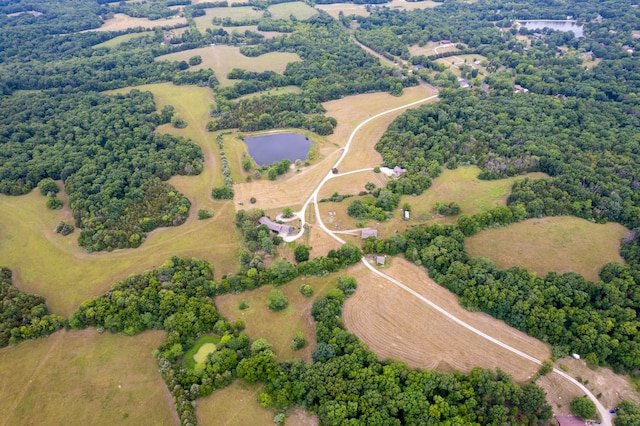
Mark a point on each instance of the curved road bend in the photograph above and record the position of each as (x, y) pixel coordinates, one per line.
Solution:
(604, 413)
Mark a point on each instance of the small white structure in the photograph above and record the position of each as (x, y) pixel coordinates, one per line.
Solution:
(576, 356)
(406, 215)
(380, 260)
(369, 232)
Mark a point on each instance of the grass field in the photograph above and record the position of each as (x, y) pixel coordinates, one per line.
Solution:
(233, 13)
(298, 9)
(279, 328)
(81, 378)
(121, 22)
(560, 244)
(455, 62)
(66, 274)
(116, 41)
(462, 186)
(222, 59)
(399, 326)
(334, 9)
(430, 49)
(234, 405)
(198, 353)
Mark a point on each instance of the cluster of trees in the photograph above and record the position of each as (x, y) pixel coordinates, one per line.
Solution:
(224, 192)
(588, 147)
(377, 207)
(23, 316)
(346, 383)
(273, 111)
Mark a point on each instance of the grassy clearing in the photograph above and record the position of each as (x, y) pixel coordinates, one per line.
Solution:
(234, 13)
(430, 49)
(398, 326)
(405, 5)
(116, 41)
(298, 9)
(222, 59)
(560, 244)
(198, 353)
(455, 62)
(462, 186)
(82, 377)
(121, 22)
(66, 275)
(279, 328)
(236, 404)
(334, 9)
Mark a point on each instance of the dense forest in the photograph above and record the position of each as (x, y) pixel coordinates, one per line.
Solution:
(345, 382)
(23, 316)
(106, 151)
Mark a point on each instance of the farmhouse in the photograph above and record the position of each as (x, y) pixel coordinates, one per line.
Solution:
(398, 171)
(517, 88)
(275, 227)
(445, 42)
(570, 421)
(369, 232)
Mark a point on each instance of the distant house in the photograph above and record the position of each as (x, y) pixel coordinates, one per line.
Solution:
(398, 171)
(380, 260)
(627, 48)
(275, 227)
(588, 54)
(445, 42)
(570, 421)
(406, 215)
(517, 88)
(464, 83)
(369, 232)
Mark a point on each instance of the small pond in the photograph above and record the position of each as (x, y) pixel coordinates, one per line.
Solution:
(554, 25)
(267, 149)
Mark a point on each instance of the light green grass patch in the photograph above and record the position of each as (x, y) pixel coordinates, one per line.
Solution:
(233, 13)
(117, 41)
(298, 9)
(272, 92)
(206, 349)
(560, 244)
(222, 59)
(198, 353)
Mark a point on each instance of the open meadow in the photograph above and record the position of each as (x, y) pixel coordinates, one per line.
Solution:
(234, 13)
(280, 327)
(82, 378)
(116, 41)
(121, 22)
(431, 48)
(399, 326)
(561, 244)
(298, 9)
(67, 275)
(234, 405)
(222, 59)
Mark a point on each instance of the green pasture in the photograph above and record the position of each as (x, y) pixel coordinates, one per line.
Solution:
(116, 41)
(298, 9)
(233, 13)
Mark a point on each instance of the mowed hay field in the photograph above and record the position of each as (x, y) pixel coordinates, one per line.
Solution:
(334, 9)
(352, 110)
(398, 325)
(280, 327)
(116, 41)
(233, 13)
(561, 244)
(121, 22)
(298, 9)
(66, 275)
(84, 378)
(233, 405)
(430, 48)
(463, 186)
(222, 59)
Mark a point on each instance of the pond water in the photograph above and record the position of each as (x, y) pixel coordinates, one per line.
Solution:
(554, 25)
(267, 149)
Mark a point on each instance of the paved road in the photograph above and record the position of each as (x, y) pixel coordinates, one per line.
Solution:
(604, 413)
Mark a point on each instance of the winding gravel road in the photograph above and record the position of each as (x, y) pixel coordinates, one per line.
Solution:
(604, 413)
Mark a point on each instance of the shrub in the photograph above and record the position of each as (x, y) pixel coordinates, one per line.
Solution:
(242, 305)
(48, 186)
(301, 253)
(222, 193)
(287, 212)
(178, 122)
(369, 186)
(347, 284)
(306, 290)
(298, 341)
(53, 203)
(195, 60)
(252, 200)
(276, 301)
(583, 407)
(64, 229)
(204, 214)
(376, 170)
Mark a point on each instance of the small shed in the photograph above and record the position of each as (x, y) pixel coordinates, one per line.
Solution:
(445, 42)
(380, 260)
(369, 232)
(406, 215)
(398, 171)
